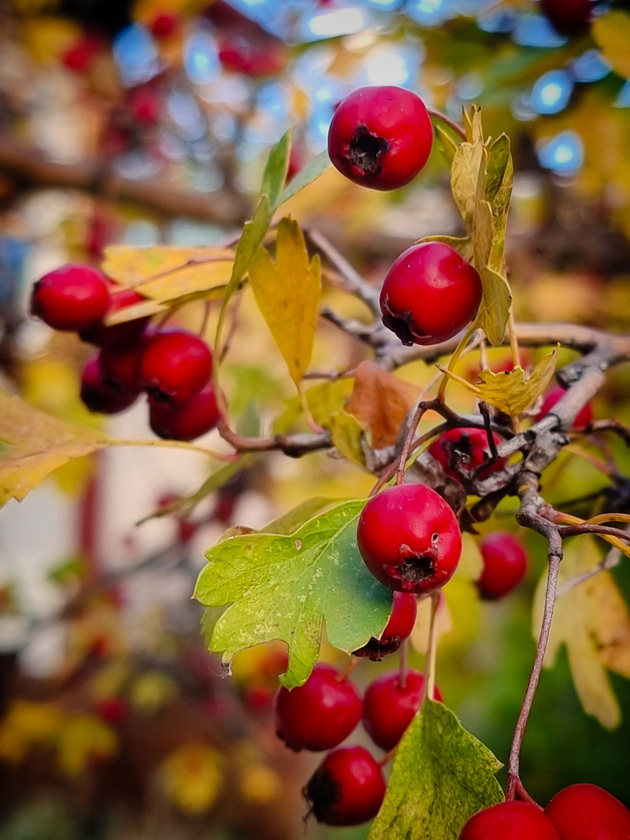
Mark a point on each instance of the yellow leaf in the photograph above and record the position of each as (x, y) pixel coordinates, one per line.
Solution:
(465, 174)
(167, 275)
(287, 294)
(611, 33)
(347, 434)
(259, 784)
(510, 391)
(82, 740)
(593, 621)
(192, 777)
(38, 444)
(495, 305)
(24, 725)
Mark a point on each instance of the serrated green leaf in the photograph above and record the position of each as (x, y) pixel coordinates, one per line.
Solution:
(494, 309)
(276, 169)
(310, 173)
(287, 587)
(291, 521)
(442, 775)
(287, 294)
(510, 391)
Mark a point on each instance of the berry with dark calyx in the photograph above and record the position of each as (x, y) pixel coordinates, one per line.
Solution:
(462, 451)
(568, 17)
(429, 294)
(347, 788)
(399, 627)
(389, 706)
(505, 563)
(71, 298)
(175, 364)
(588, 812)
(186, 420)
(102, 335)
(98, 396)
(553, 396)
(319, 714)
(380, 137)
(409, 538)
(509, 821)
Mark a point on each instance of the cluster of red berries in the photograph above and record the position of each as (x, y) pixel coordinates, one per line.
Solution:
(381, 137)
(578, 812)
(172, 366)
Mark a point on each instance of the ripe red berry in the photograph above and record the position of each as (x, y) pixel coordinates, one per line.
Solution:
(513, 820)
(186, 420)
(100, 397)
(117, 334)
(164, 24)
(588, 812)
(553, 396)
(121, 365)
(319, 714)
(380, 137)
(72, 297)
(347, 788)
(462, 451)
(389, 707)
(175, 364)
(568, 17)
(505, 564)
(409, 538)
(429, 294)
(399, 627)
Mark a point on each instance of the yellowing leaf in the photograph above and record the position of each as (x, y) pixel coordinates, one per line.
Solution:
(495, 304)
(593, 621)
(465, 172)
(347, 434)
(611, 33)
(24, 725)
(38, 444)
(510, 391)
(192, 778)
(287, 294)
(82, 740)
(483, 227)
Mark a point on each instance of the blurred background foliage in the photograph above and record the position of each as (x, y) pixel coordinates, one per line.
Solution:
(146, 123)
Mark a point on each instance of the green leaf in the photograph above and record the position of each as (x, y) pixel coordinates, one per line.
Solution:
(494, 309)
(276, 169)
(499, 159)
(290, 521)
(287, 293)
(347, 434)
(442, 775)
(448, 145)
(310, 173)
(287, 587)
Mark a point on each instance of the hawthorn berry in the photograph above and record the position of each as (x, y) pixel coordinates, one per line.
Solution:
(505, 563)
(319, 714)
(347, 788)
(102, 335)
(588, 812)
(399, 627)
(175, 364)
(73, 297)
(463, 451)
(100, 397)
(514, 820)
(553, 396)
(409, 538)
(429, 294)
(568, 17)
(121, 365)
(389, 706)
(380, 136)
(186, 420)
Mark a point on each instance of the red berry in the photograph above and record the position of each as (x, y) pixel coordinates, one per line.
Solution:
(72, 297)
(505, 564)
(186, 420)
(429, 294)
(463, 451)
(568, 17)
(553, 396)
(241, 55)
(319, 714)
(100, 397)
(116, 334)
(588, 812)
(409, 538)
(347, 788)
(163, 24)
(113, 709)
(389, 708)
(399, 627)
(509, 821)
(121, 365)
(380, 137)
(175, 365)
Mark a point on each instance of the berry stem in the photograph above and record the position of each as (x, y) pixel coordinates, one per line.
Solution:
(404, 663)
(457, 354)
(429, 668)
(439, 117)
(420, 410)
(352, 664)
